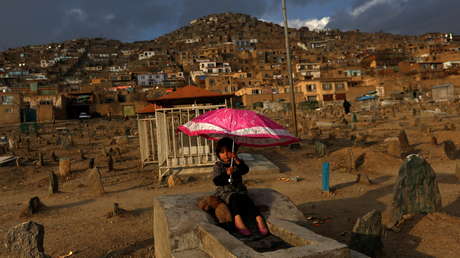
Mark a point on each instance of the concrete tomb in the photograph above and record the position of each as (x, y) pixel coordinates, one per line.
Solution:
(181, 229)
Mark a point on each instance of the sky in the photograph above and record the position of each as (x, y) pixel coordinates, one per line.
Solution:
(28, 22)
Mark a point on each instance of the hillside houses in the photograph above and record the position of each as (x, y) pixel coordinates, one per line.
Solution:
(227, 53)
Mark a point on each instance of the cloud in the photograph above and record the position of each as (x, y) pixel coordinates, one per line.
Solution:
(399, 16)
(312, 24)
(366, 6)
(78, 14)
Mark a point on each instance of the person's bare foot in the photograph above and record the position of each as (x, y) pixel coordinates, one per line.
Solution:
(242, 229)
(261, 225)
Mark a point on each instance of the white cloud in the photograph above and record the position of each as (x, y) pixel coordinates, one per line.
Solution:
(312, 24)
(78, 13)
(371, 3)
(109, 17)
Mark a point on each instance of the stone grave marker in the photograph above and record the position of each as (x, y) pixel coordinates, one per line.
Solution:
(450, 149)
(403, 141)
(53, 183)
(64, 167)
(26, 240)
(95, 181)
(416, 190)
(366, 236)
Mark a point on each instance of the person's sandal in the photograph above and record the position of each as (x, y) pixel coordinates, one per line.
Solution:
(263, 231)
(244, 232)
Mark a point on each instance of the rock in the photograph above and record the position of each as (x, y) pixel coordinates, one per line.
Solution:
(416, 190)
(403, 141)
(450, 149)
(110, 163)
(34, 205)
(359, 161)
(434, 140)
(95, 181)
(320, 148)
(91, 163)
(354, 118)
(53, 183)
(457, 169)
(174, 180)
(64, 167)
(26, 240)
(366, 236)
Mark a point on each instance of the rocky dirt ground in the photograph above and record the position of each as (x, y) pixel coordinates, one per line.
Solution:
(77, 219)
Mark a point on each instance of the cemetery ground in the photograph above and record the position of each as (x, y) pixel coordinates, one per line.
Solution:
(79, 218)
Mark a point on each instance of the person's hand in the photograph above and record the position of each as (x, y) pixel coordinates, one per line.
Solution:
(235, 158)
(230, 171)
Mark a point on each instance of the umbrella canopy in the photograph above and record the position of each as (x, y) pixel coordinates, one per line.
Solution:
(245, 127)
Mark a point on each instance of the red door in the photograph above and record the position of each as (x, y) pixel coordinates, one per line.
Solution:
(328, 97)
(340, 96)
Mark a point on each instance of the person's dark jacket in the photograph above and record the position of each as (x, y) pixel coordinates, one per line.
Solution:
(220, 178)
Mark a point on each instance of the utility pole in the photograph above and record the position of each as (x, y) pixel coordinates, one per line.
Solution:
(288, 57)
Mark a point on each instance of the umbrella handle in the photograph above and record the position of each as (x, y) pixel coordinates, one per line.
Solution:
(230, 180)
(233, 150)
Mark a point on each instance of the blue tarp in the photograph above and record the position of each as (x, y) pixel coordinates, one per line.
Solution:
(367, 97)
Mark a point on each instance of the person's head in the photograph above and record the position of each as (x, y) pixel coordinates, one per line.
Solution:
(224, 149)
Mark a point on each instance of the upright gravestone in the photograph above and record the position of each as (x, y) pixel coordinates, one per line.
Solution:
(320, 148)
(110, 163)
(403, 140)
(26, 240)
(354, 118)
(416, 190)
(91, 163)
(450, 150)
(366, 236)
(95, 181)
(53, 183)
(64, 167)
(457, 169)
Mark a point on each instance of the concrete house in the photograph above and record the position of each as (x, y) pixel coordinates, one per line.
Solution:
(215, 67)
(10, 108)
(308, 70)
(323, 90)
(146, 55)
(151, 79)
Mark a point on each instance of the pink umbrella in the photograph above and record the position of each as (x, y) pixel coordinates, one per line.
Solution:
(245, 127)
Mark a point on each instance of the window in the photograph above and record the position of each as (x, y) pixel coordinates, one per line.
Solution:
(311, 87)
(327, 86)
(9, 110)
(339, 86)
(311, 98)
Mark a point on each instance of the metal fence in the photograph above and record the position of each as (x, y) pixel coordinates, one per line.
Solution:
(176, 149)
(161, 143)
(147, 140)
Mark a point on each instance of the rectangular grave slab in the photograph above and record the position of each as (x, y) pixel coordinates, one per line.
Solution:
(181, 228)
